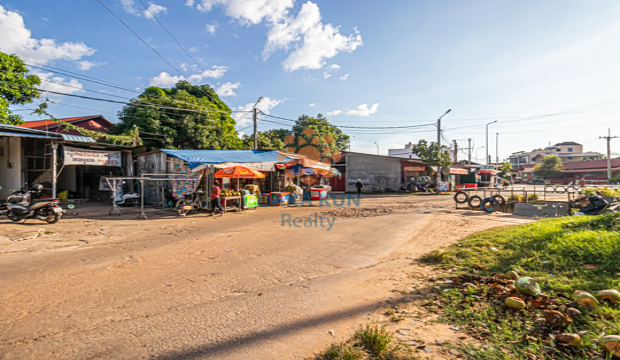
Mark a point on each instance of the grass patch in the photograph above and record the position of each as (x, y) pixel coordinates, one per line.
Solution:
(370, 342)
(552, 251)
(48, 232)
(435, 256)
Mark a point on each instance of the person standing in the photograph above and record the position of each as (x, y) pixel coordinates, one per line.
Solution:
(582, 182)
(215, 198)
(360, 186)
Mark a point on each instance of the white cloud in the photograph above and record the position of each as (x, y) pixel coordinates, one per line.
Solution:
(250, 11)
(193, 49)
(74, 86)
(17, 39)
(130, 8)
(212, 27)
(334, 113)
(344, 77)
(189, 3)
(331, 68)
(245, 118)
(216, 72)
(153, 10)
(227, 89)
(165, 80)
(363, 110)
(312, 105)
(311, 41)
(87, 65)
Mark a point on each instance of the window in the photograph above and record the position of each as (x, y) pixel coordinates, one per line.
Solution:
(570, 158)
(570, 149)
(557, 149)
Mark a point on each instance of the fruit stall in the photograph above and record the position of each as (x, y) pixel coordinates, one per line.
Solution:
(241, 199)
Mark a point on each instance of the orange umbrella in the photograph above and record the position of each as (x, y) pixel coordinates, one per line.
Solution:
(239, 172)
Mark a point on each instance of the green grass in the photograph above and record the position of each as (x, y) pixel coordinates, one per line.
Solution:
(552, 251)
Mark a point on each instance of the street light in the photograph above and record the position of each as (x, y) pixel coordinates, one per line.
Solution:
(255, 113)
(496, 150)
(487, 158)
(477, 158)
(377, 147)
(439, 146)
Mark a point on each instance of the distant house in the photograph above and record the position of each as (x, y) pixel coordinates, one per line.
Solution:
(568, 151)
(93, 122)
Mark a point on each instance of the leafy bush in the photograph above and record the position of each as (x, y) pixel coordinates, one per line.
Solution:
(341, 351)
(515, 198)
(434, 256)
(532, 197)
(375, 339)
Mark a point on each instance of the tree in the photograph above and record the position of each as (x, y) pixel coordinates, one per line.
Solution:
(429, 154)
(551, 167)
(17, 87)
(332, 138)
(272, 139)
(506, 168)
(194, 118)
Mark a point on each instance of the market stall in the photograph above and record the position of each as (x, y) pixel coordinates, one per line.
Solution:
(236, 196)
(486, 177)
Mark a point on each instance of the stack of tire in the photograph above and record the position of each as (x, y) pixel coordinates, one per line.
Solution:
(488, 205)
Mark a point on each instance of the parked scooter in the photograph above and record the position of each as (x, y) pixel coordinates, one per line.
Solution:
(15, 197)
(126, 199)
(22, 206)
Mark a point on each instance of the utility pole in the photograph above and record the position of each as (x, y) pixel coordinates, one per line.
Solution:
(469, 151)
(439, 148)
(255, 115)
(487, 137)
(456, 151)
(608, 138)
(496, 150)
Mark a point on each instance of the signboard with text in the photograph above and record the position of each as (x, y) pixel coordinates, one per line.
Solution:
(75, 156)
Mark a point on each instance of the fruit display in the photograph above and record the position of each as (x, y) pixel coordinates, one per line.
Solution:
(229, 192)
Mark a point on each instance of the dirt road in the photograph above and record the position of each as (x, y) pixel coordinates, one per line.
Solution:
(251, 285)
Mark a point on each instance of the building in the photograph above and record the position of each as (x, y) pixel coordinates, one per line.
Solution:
(27, 158)
(407, 152)
(377, 172)
(593, 171)
(92, 122)
(567, 151)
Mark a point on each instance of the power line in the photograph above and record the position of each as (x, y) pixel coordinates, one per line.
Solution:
(181, 46)
(80, 88)
(357, 127)
(152, 48)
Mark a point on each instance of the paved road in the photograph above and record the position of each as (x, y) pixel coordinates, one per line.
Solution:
(238, 287)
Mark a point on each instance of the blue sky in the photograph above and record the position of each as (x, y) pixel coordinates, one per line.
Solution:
(547, 71)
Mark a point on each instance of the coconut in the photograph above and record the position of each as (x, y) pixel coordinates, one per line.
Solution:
(573, 340)
(613, 296)
(512, 275)
(573, 313)
(611, 343)
(585, 299)
(515, 303)
(556, 318)
(528, 286)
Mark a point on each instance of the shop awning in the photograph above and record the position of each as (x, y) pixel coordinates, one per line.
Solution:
(77, 138)
(200, 157)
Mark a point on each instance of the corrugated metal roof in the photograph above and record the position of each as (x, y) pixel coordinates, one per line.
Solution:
(28, 135)
(77, 138)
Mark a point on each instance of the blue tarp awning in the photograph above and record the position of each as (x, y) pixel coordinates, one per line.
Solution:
(199, 157)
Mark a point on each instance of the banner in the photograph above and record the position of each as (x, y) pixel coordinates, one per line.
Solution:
(415, 168)
(75, 156)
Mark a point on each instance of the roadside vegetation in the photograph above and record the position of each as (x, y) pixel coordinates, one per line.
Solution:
(563, 255)
(370, 342)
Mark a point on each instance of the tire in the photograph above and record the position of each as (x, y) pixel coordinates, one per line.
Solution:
(180, 206)
(500, 199)
(52, 219)
(489, 205)
(461, 194)
(557, 189)
(11, 216)
(570, 189)
(472, 201)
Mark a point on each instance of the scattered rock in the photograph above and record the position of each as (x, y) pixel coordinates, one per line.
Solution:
(403, 332)
(406, 299)
(455, 328)
(331, 332)
(440, 342)
(428, 350)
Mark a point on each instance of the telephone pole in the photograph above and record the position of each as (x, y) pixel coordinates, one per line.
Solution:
(439, 147)
(255, 117)
(469, 151)
(608, 138)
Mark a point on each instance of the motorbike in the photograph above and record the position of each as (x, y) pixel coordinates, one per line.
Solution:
(24, 205)
(126, 199)
(15, 197)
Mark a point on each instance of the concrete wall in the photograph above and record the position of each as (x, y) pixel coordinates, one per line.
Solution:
(376, 172)
(10, 177)
(67, 178)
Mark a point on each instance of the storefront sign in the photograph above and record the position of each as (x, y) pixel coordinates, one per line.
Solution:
(415, 168)
(444, 186)
(456, 171)
(75, 156)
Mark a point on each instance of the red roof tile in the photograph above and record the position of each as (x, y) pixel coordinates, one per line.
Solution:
(592, 164)
(42, 124)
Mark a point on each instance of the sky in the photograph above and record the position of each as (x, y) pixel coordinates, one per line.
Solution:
(547, 72)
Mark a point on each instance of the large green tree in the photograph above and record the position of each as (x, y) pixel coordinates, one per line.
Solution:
(551, 167)
(430, 155)
(194, 118)
(331, 136)
(17, 87)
